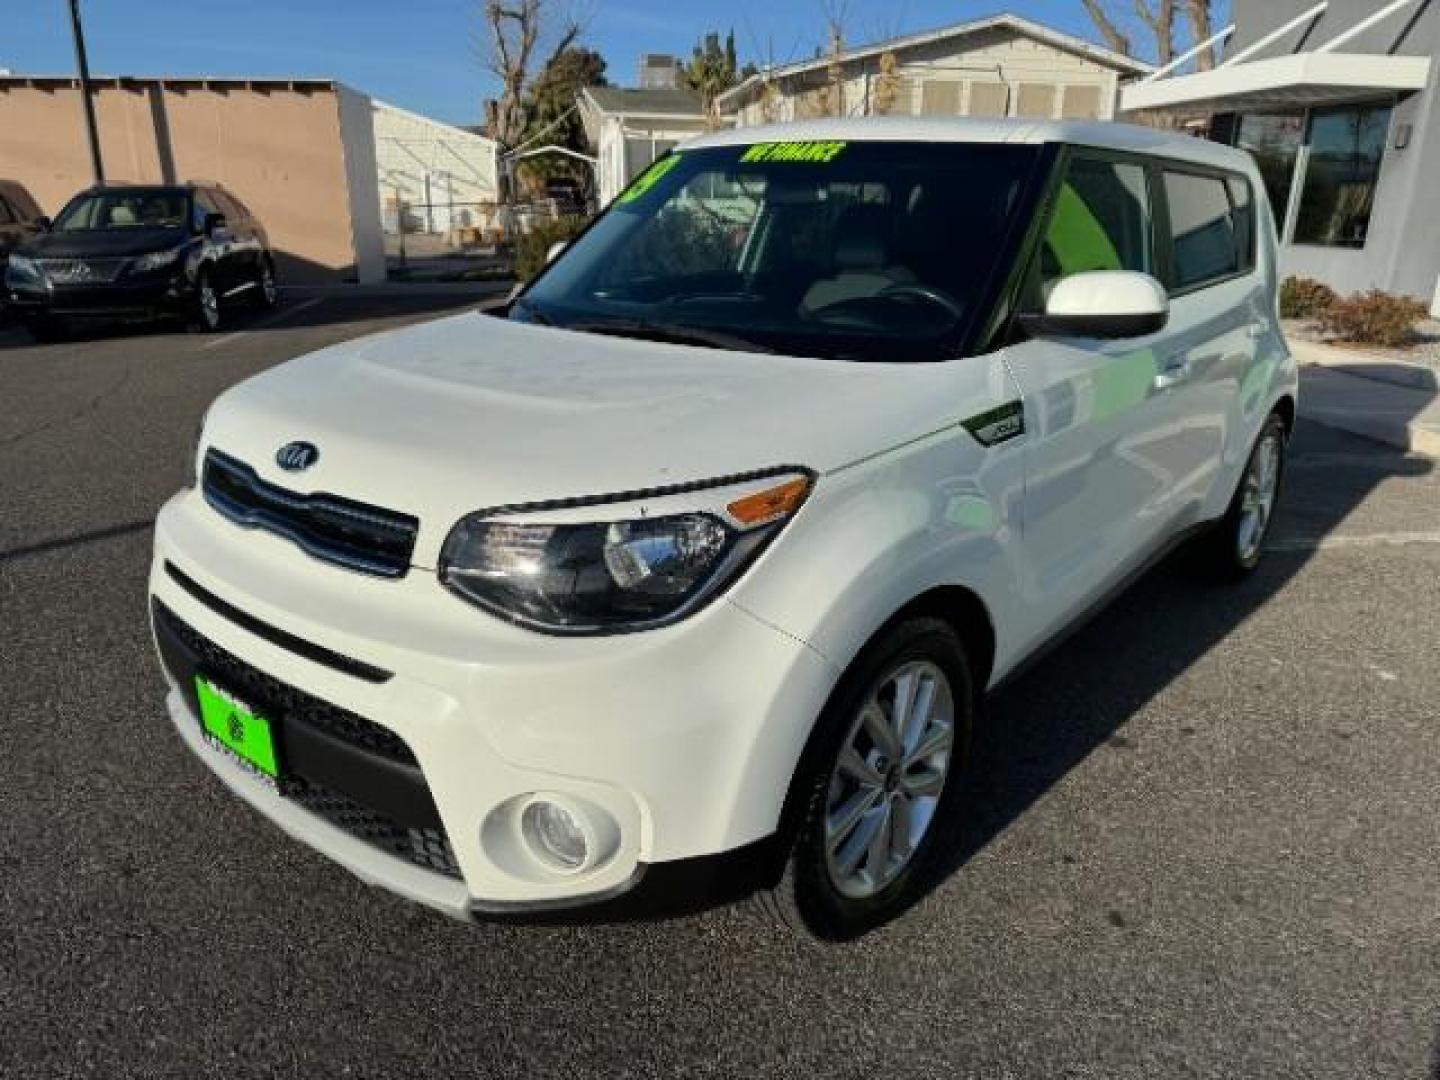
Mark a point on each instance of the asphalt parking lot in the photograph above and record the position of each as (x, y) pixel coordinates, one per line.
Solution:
(1202, 838)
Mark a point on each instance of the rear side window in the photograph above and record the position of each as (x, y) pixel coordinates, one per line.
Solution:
(1101, 221)
(1206, 239)
(6, 217)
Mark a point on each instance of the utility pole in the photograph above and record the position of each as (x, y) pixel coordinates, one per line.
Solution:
(96, 164)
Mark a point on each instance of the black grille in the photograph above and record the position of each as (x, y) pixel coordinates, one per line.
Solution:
(425, 847)
(350, 534)
(422, 842)
(254, 685)
(82, 271)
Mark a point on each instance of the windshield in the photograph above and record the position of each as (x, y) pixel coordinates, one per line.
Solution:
(124, 210)
(861, 250)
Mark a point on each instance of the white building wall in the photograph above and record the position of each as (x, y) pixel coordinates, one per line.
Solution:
(446, 176)
(357, 140)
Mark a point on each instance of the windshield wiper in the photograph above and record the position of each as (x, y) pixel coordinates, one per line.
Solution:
(671, 334)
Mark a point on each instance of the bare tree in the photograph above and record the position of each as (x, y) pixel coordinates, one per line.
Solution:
(1109, 29)
(1160, 18)
(1198, 13)
(516, 30)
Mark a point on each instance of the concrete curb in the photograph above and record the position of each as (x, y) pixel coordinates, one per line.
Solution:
(1400, 373)
(1405, 418)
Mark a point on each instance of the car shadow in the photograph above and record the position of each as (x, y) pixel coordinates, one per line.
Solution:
(1079, 698)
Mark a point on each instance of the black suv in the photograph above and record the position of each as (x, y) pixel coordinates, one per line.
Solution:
(141, 252)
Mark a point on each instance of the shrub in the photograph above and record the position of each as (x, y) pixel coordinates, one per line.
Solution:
(1374, 318)
(1305, 298)
(532, 247)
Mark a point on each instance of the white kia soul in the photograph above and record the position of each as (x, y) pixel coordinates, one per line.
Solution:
(686, 579)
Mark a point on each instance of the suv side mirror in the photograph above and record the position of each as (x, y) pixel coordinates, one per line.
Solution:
(1102, 304)
(214, 223)
(43, 224)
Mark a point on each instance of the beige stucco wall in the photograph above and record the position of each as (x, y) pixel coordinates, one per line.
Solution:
(279, 149)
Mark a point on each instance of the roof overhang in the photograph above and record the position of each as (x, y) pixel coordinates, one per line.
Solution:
(1303, 79)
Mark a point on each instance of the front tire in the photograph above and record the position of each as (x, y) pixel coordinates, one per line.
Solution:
(880, 785)
(207, 317)
(266, 292)
(1233, 549)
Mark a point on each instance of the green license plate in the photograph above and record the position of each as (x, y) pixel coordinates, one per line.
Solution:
(237, 728)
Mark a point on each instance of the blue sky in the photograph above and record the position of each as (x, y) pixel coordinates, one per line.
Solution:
(424, 55)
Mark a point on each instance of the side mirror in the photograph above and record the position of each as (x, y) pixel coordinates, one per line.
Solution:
(1102, 304)
(214, 223)
(43, 224)
(555, 251)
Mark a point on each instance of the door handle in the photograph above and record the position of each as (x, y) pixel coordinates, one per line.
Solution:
(1175, 371)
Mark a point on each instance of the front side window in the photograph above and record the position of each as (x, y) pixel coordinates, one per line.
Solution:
(1202, 226)
(1338, 196)
(850, 250)
(1101, 221)
(144, 209)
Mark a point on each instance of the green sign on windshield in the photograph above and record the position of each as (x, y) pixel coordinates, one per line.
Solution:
(821, 152)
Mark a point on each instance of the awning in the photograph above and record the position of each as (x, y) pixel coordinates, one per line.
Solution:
(1303, 79)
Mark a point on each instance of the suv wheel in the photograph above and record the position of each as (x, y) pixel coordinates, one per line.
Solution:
(1233, 549)
(207, 304)
(881, 786)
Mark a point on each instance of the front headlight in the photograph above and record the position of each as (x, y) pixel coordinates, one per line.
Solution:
(23, 266)
(155, 260)
(614, 576)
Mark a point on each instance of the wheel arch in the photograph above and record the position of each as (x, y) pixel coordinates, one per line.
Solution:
(1285, 406)
(963, 611)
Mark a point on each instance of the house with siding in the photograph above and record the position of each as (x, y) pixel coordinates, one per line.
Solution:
(1001, 66)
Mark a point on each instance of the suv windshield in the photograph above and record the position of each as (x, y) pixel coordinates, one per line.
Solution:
(860, 250)
(145, 209)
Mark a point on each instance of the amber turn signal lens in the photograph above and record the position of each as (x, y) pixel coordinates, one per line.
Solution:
(771, 503)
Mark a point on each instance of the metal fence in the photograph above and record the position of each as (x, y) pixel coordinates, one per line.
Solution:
(428, 230)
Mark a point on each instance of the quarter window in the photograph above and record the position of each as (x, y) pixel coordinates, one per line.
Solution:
(1101, 222)
(1203, 228)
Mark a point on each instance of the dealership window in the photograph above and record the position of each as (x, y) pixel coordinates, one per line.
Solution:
(1202, 223)
(1337, 194)
(1273, 139)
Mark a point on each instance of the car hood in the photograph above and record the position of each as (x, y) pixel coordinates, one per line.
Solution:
(474, 412)
(100, 243)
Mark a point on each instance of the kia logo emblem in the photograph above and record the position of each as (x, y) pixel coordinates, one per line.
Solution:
(297, 456)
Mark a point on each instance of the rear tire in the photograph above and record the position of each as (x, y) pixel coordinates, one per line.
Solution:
(879, 785)
(1233, 548)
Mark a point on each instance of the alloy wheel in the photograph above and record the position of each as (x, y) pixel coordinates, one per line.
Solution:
(1257, 499)
(888, 780)
(209, 305)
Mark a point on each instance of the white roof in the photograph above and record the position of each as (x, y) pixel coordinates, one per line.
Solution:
(1067, 42)
(1101, 134)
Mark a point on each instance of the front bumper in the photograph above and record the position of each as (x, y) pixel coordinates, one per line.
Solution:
(686, 738)
(148, 297)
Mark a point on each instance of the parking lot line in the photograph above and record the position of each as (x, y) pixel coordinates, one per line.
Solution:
(279, 317)
(1326, 543)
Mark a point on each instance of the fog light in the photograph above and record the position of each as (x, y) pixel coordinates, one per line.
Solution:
(554, 835)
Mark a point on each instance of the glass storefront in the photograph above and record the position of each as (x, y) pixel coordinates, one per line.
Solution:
(1335, 177)
(1346, 147)
(1274, 140)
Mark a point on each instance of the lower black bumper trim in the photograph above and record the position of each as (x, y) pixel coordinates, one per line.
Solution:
(661, 890)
